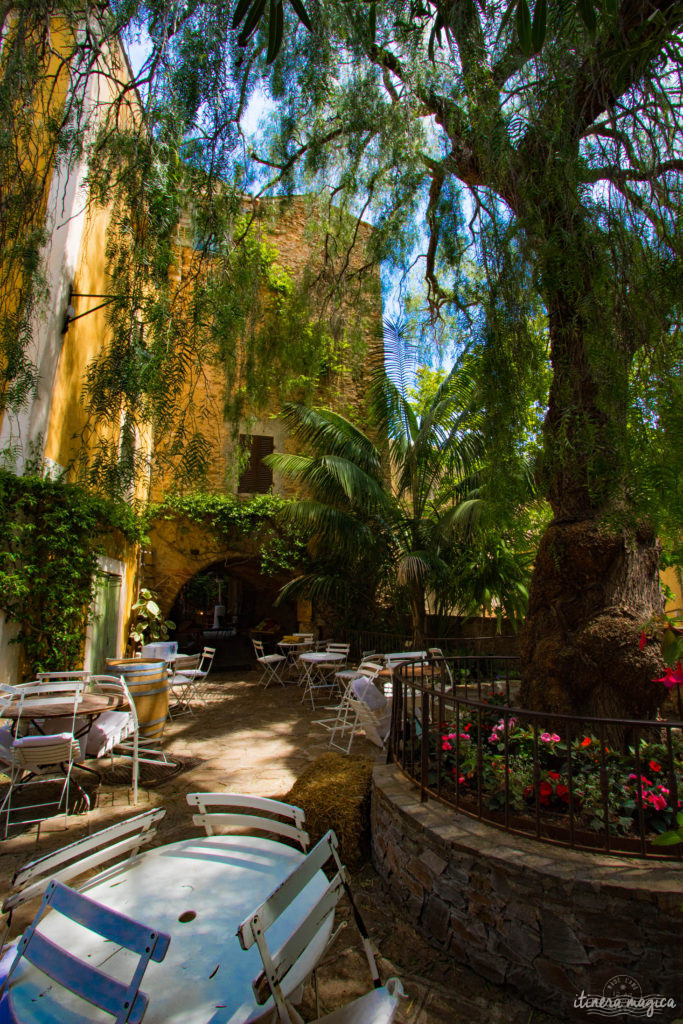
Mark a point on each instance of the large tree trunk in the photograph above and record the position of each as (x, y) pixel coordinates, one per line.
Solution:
(592, 589)
(596, 576)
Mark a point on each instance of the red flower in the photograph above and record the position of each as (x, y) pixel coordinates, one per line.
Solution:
(655, 766)
(545, 789)
(672, 676)
(643, 640)
(562, 792)
(553, 775)
(586, 741)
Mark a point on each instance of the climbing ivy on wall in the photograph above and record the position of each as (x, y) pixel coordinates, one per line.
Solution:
(281, 545)
(52, 536)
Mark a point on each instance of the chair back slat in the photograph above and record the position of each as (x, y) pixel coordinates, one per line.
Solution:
(279, 900)
(249, 821)
(229, 803)
(75, 859)
(85, 981)
(115, 927)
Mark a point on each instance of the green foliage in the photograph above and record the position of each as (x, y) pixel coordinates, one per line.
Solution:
(397, 518)
(482, 748)
(148, 623)
(192, 280)
(53, 534)
(262, 518)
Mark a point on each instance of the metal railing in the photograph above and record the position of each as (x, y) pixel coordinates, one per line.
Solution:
(599, 784)
(364, 640)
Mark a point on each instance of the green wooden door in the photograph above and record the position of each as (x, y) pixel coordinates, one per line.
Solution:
(105, 621)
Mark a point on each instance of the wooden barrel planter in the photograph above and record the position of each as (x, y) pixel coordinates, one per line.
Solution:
(147, 680)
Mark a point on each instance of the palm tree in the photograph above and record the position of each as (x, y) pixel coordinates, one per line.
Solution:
(397, 498)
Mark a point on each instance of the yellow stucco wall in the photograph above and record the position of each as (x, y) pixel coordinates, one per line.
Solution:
(672, 581)
(36, 159)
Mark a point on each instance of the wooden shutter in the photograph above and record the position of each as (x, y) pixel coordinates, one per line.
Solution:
(256, 478)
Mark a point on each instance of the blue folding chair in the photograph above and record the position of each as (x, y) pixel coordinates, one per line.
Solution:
(125, 1002)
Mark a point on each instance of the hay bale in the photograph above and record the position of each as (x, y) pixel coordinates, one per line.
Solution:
(334, 792)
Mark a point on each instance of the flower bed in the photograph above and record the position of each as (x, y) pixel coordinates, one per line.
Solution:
(614, 781)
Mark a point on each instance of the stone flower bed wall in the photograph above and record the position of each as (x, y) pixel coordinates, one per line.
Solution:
(551, 922)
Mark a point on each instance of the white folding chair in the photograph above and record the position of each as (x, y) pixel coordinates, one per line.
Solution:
(437, 658)
(378, 1005)
(345, 677)
(122, 1000)
(115, 733)
(239, 811)
(272, 665)
(31, 757)
(107, 845)
(180, 683)
(364, 707)
(189, 678)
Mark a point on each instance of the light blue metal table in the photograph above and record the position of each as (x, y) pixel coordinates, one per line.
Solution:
(198, 891)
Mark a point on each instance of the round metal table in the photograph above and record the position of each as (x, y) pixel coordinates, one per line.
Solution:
(198, 891)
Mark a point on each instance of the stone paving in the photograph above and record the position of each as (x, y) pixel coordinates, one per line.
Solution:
(255, 740)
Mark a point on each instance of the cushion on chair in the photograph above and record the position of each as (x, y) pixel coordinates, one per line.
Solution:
(26, 748)
(31, 742)
(110, 728)
(366, 691)
(6, 744)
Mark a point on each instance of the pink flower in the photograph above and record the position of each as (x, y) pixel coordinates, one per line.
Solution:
(547, 737)
(672, 676)
(657, 801)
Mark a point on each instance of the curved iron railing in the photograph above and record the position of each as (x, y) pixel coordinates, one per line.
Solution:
(599, 784)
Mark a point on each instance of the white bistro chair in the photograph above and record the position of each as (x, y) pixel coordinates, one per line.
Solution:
(273, 665)
(375, 1007)
(31, 757)
(364, 707)
(120, 999)
(187, 678)
(253, 813)
(180, 683)
(109, 844)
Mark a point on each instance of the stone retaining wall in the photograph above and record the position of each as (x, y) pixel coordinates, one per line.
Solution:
(551, 922)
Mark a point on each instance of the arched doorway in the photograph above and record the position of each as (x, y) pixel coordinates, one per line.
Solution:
(227, 602)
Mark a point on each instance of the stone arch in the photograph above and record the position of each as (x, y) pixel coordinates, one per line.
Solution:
(179, 550)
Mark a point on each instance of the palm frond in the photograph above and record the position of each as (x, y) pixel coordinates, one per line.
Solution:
(330, 526)
(463, 519)
(328, 433)
(359, 487)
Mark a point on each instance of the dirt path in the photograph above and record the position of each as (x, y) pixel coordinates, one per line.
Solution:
(247, 739)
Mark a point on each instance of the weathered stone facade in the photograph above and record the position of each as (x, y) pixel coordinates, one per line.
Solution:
(551, 922)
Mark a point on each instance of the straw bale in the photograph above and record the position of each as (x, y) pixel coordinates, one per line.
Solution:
(334, 792)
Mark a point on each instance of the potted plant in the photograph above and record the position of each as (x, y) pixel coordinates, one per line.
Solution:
(148, 623)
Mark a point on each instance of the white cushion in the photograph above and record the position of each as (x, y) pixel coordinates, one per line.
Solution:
(5, 744)
(366, 691)
(160, 649)
(56, 747)
(28, 742)
(106, 731)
